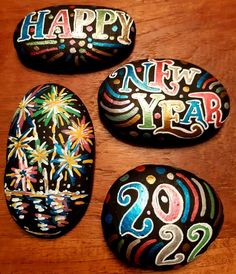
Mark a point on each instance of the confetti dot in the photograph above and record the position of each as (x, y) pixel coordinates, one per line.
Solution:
(57, 30)
(90, 39)
(186, 247)
(108, 218)
(36, 48)
(148, 212)
(151, 179)
(82, 43)
(157, 115)
(160, 170)
(138, 69)
(164, 199)
(137, 89)
(140, 168)
(133, 133)
(72, 15)
(170, 176)
(41, 180)
(186, 89)
(116, 81)
(223, 94)
(115, 28)
(226, 105)
(90, 45)
(31, 30)
(68, 186)
(89, 28)
(72, 50)
(21, 217)
(82, 50)
(111, 38)
(41, 188)
(132, 29)
(62, 40)
(62, 46)
(72, 42)
(181, 96)
(124, 178)
(50, 16)
(147, 135)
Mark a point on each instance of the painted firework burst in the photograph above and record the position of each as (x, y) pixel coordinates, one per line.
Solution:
(69, 161)
(55, 106)
(40, 155)
(20, 144)
(80, 134)
(23, 176)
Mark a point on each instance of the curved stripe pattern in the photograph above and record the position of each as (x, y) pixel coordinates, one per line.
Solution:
(130, 122)
(203, 197)
(195, 195)
(186, 201)
(107, 45)
(115, 102)
(117, 110)
(202, 79)
(123, 117)
(130, 248)
(212, 85)
(154, 250)
(212, 212)
(208, 81)
(114, 94)
(141, 249)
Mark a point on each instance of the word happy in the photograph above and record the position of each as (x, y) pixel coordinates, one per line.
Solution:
(203, 107)
(81, 18)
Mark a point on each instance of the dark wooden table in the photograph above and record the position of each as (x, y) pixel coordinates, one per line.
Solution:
(202, 32)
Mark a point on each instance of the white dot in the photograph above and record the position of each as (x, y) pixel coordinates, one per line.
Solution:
(72, 50)
(41, 180)
(148, 212)
(181, 96)
(137, 89)
(90, 45)
(21, 217)
(41, 188)
(226, 105)
(170, 176)
(164, 199)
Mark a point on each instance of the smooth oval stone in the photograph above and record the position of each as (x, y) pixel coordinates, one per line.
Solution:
(162, 102)
(68, 39)
(160, 217)
(50, 155)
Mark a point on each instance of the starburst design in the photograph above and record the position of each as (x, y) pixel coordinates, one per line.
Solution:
(20, 144)
(69, 161)
(55, 106)
(23, 176)
(25, 109)
(80, 134)
(40, 155)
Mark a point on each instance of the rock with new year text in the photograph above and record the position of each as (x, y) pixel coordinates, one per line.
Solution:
(50, 158)
(162, 102)
(160, 217)
(73, 38)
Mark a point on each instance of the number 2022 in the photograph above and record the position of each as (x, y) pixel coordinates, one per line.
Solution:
(170, 231)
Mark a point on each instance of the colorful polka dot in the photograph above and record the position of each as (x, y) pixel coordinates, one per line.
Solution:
(90, 45)
(133, 133)
(186, 89)
(89, 28)
(124, 178)
(90, 39)
(140, 168)
(157, 115)
(139, 69)
(170, 176)
(116, 81)
(160, 170)
(72, 50)
(62, 46)
(151, 179)
(115, 28)
(111, 38)
(81, 43)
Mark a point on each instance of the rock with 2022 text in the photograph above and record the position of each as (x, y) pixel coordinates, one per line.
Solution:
(160, 217)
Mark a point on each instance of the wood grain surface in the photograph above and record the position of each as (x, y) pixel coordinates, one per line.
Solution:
(202, 32)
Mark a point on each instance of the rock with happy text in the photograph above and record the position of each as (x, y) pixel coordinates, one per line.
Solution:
(160, 217)
(162, 102)
(69, 39)
(50, 160)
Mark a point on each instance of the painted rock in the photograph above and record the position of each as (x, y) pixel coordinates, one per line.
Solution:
(162, 102)
(68, 39)
(160, 217)
(50, 155)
